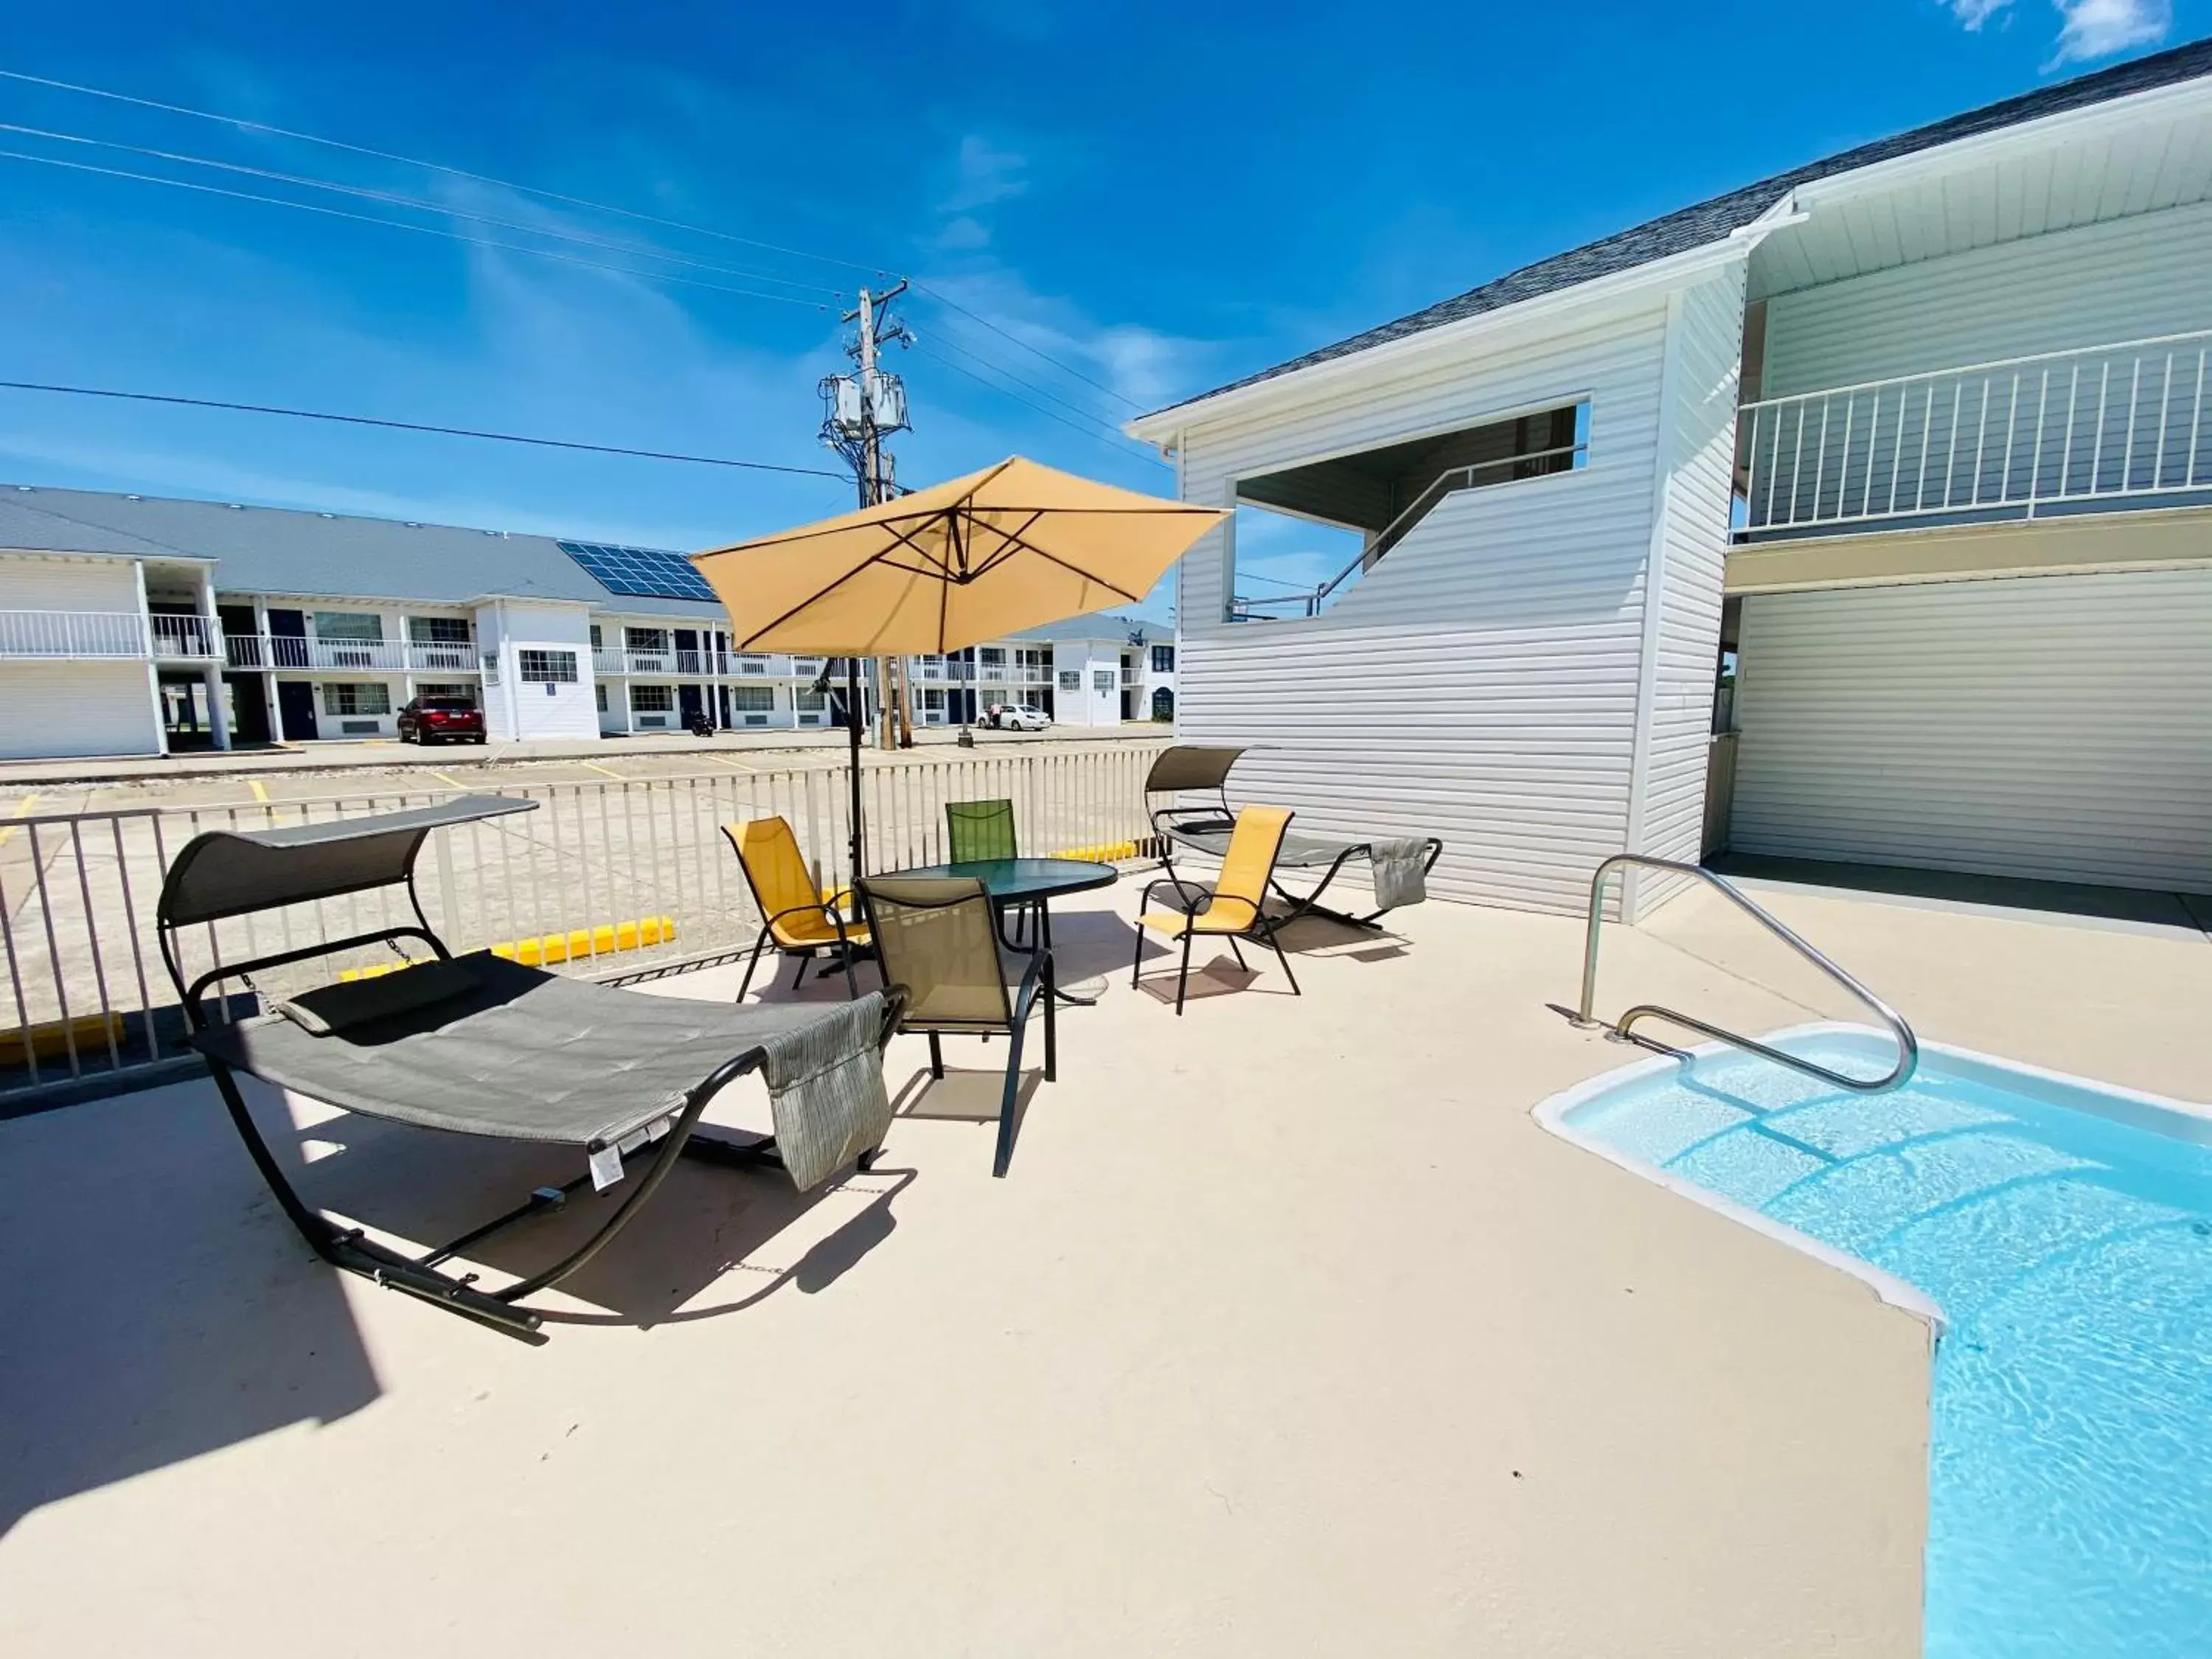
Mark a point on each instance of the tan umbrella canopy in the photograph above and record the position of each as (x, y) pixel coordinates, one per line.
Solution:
(1013, 546)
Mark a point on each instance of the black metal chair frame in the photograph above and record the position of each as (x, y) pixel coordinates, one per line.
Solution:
(847, 951)
(347, 1247)
(1195, 895)
(1170, 823)
(1023, 913)
(1036, 987)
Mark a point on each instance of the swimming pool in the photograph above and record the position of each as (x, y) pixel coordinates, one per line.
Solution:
(2060, 1232)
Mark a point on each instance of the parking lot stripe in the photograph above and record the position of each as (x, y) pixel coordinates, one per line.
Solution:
(447, 777)
(259, 793)
(606, 771)
(23, 810)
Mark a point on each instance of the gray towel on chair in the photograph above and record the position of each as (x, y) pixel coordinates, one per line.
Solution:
(1402, 873)
(825, 1084)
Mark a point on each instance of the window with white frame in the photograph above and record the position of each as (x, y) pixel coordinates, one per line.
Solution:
(654, 640)
(651, 699)
(343, 697)
(596, 640)
(460, 691)
(546, 667)
(1163, 659)
(365, 625)
(752, 699)
(1102, 679)
(808, 701)
(1070, 680)
(438, 630)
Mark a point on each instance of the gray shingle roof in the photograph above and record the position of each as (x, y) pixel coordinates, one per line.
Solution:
(1711, 222)
(266, 549)
(1096, 625)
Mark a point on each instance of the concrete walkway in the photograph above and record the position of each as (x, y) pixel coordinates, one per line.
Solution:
(1289, 1334)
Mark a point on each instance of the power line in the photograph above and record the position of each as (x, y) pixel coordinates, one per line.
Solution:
(417, 425)
(244, 124)
(1065, 369)
(401, 224)
(1117, 444)
(641, 249)
(953, 344)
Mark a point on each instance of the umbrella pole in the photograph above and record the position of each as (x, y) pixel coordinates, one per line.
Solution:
(853, 733)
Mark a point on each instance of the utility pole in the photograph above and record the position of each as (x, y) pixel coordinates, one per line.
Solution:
(857, 416)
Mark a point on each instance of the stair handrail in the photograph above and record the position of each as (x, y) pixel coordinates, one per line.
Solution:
(1908, 1060)
(1395, 531)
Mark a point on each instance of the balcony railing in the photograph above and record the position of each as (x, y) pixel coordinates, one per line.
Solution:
(2104, 427)
(72, 634)
(182, 636)
(442, 656)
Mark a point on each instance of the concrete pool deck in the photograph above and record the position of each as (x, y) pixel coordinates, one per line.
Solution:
(1290, 1332)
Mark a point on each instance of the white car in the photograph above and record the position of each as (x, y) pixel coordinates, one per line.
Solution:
(1023, 717)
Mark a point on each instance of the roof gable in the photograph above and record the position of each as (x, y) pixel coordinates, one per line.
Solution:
(1713, 220)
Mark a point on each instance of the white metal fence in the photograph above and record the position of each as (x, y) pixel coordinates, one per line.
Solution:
(85, 992)
(2101, 427)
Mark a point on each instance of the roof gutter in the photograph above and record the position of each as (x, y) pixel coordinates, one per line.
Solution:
(2072, 125)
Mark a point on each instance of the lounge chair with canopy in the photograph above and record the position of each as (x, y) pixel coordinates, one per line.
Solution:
(480, 1045)
(1400, 866)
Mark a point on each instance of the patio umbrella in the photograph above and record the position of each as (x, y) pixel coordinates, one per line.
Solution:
(1014, 546)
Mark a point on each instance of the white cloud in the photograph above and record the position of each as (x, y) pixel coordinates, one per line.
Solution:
(1975, 13)
(984, 174)
(2088, 29)
(963, 235)
(2097, 29)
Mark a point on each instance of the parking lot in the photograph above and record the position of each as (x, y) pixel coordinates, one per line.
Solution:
(323, 771)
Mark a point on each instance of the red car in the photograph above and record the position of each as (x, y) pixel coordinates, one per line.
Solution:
(442, 719)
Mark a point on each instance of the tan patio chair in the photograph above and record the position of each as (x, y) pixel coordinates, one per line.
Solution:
(1232, 908)
(937, 939)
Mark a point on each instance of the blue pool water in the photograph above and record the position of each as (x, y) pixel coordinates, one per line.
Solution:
(2070, 1474)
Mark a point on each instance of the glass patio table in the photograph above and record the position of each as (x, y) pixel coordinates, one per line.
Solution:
(1035, 882)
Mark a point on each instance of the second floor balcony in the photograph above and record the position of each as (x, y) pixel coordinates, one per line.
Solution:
(73, 634)
(2106, 427)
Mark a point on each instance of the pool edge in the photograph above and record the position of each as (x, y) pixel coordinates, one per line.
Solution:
(2183, 1119)
(1551, 1115)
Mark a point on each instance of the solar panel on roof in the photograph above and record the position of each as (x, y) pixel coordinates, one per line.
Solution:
(646, 572)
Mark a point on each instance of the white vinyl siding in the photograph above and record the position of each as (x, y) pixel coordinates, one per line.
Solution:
(56, 708)
(1703, 366)
(2050, 727)
(105, 587)
(1480, 683)
(2128, 280)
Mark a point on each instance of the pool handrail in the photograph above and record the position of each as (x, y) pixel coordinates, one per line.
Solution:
(1908, 1058)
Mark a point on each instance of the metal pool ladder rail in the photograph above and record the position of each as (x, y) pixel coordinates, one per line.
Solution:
(1908, 1046)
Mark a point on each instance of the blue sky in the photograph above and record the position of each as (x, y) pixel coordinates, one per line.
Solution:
(1154, 199)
